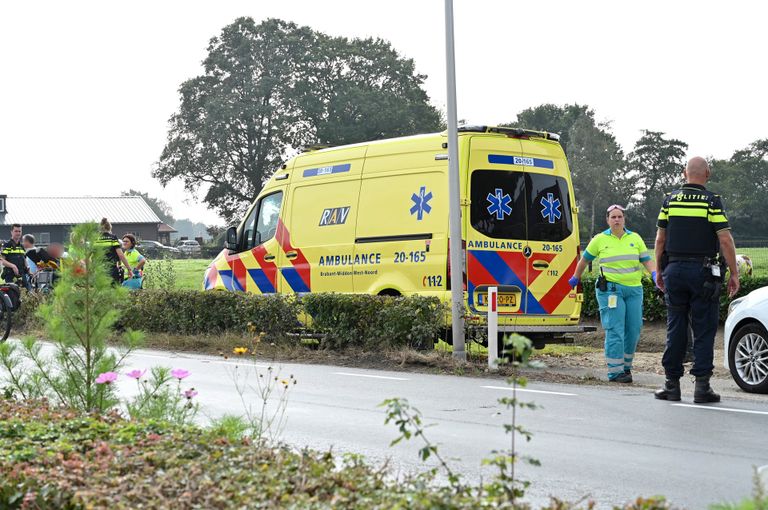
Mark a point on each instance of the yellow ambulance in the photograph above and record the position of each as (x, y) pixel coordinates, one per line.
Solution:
(373, 218)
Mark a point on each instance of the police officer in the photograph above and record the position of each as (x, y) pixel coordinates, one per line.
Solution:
(14, 258)
(113, 252)
(692, 229)
(619, 290)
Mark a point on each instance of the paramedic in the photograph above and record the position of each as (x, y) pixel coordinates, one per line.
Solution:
(619, 290)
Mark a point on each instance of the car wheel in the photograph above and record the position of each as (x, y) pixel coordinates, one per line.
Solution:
(748, 358)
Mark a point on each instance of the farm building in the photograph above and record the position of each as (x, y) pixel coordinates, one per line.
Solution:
(50, 219)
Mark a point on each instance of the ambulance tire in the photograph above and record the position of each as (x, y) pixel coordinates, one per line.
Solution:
(504, 354)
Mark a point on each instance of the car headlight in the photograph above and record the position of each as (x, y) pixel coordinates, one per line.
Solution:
(734, 304)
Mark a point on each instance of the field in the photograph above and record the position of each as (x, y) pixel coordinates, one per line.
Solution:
(189, 272)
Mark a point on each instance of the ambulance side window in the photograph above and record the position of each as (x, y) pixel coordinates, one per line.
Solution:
(266, 221)
(248, 231)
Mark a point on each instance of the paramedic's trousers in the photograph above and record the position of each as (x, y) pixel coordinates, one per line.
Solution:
(622, 325)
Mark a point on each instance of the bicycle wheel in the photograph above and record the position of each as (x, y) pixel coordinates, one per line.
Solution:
(5, 316)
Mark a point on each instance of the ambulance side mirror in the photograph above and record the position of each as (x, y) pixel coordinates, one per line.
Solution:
(232, 238)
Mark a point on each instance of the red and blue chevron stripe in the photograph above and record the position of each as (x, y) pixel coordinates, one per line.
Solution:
(298, 276)
(510, 268)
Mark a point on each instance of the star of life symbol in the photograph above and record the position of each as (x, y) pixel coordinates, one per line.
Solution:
(421, 203)
(499, 204)
(551, 208)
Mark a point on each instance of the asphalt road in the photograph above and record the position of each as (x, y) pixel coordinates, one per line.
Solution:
(609, 444)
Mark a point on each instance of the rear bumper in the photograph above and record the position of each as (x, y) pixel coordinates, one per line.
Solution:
(548, 329)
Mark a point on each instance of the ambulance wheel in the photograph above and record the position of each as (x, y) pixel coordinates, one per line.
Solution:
(505, 353)
(390, 292)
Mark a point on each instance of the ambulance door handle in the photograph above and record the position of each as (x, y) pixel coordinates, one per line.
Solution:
(269, 257)
(291, 254)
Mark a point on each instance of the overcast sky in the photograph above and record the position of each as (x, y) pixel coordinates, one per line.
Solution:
(87, 87)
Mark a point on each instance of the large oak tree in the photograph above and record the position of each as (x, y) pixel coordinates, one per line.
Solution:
(269, 89)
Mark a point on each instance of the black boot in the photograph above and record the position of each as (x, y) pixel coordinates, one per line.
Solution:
(702, 391)
(670, 391)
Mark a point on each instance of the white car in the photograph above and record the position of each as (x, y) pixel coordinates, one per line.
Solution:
(189, 248)
(746, 341)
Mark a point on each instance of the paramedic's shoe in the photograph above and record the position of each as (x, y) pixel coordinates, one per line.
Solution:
(624, 377)
(670, 391)
(702, 391)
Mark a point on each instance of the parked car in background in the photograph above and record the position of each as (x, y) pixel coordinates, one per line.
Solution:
(189, 248)
(156, 250)
(745, 341)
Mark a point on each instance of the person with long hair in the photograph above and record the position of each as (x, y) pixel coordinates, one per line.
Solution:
(113, 252)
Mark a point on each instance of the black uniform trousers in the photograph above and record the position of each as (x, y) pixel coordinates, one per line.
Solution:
(686, 293)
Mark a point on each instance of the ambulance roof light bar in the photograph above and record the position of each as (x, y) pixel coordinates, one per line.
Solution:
(510, 131)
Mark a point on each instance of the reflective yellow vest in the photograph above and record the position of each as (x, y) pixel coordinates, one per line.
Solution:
(620, 258)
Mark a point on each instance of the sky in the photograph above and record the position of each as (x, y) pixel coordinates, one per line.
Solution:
(87, 87)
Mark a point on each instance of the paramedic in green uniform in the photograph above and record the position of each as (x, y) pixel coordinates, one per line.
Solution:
(622, 255)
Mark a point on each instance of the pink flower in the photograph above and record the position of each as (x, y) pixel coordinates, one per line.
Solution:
(135, 374)
(179, 373)
(190, 393)
(106, 378)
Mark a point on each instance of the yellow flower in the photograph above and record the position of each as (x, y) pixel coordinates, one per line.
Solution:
(240, 350)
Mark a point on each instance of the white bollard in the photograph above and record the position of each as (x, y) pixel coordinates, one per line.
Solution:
(493, 327)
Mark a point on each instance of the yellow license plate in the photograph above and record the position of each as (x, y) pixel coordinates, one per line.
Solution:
(501, 299)
(507, 299)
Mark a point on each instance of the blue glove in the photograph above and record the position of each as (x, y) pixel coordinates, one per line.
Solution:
(573, 281)
(653, 277)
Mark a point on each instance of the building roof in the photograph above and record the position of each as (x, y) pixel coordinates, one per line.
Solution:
(164, 227)
(75, 210)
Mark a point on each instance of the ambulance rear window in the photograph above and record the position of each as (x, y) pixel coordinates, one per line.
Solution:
(520, 205)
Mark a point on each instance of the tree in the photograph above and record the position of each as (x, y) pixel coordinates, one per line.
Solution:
(656, 165)
(597, 166)
(554, 119)
(743, 183)
(272, 88)
(159, 206)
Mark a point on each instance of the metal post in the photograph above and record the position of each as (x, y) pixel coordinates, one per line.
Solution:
(493, 328)
(457, 268)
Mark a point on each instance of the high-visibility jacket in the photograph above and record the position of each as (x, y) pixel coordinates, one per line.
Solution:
(620, 258)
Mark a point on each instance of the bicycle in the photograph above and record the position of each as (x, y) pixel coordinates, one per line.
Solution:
(42, 280)
(10, 299)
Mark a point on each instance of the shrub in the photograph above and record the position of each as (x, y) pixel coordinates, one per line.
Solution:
(54, 458)
(195, 312)
(363, 320)
(26, 317)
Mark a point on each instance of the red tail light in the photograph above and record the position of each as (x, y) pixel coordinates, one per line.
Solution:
(463, 264)
(579, 286)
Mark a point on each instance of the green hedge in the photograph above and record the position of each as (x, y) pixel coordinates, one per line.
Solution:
(195, 312)
(338, 319)
(363, 320)
(653, 304)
